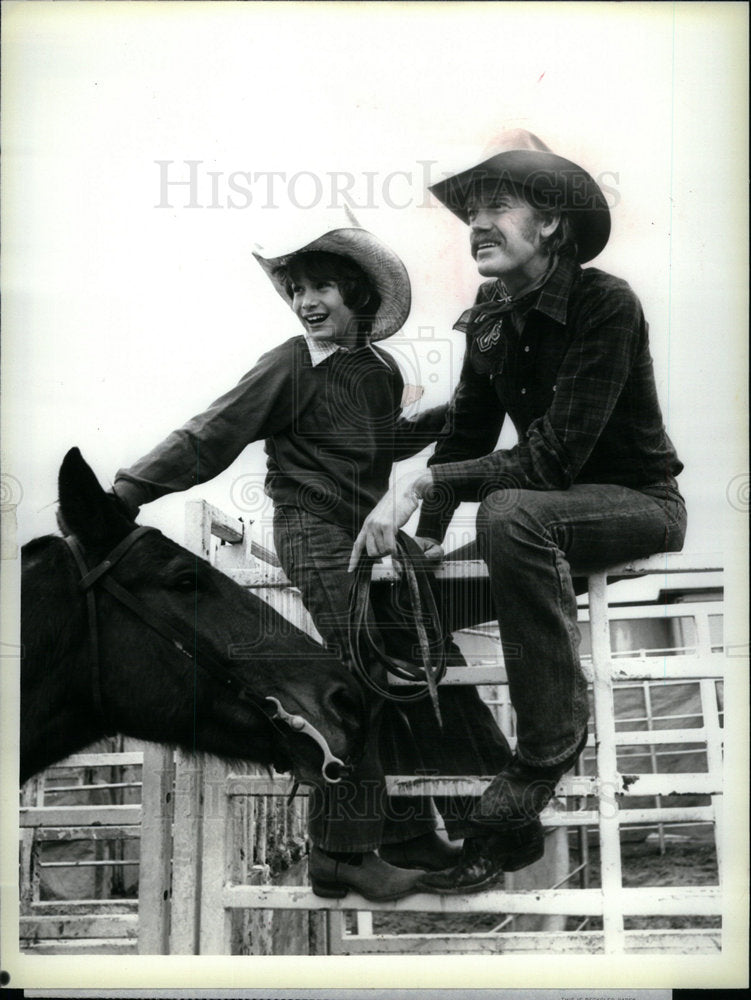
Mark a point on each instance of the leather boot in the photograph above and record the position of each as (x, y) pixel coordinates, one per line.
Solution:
(486, 857)
(372, 878)
(429, 851)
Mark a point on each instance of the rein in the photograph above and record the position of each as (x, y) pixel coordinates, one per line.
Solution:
(366, 650)
(332, 767)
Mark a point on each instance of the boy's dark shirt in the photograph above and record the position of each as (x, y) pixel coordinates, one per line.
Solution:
(332, 433)
(575, 376)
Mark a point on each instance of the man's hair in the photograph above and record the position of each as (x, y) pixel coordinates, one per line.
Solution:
(562, 241)
(355, 287)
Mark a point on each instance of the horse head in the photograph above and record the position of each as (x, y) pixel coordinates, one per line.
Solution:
(181, 653)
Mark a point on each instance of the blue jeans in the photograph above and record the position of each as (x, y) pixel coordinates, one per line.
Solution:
(534, 543)
(357, 814)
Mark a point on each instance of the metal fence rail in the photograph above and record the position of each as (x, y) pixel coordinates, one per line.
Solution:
(207, 883)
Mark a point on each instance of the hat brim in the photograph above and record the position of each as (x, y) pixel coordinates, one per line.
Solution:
(549, 181)
(382, 265)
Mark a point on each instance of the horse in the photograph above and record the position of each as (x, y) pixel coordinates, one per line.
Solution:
(124, 631)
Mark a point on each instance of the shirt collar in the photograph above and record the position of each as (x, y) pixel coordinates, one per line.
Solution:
(319, 350)
(554, 295)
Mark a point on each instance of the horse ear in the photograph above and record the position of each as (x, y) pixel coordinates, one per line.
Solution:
(85, 510)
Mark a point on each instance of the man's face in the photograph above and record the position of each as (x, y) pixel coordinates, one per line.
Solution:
(505, 236)
(322, 311)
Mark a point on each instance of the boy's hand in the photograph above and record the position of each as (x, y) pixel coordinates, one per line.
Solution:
(378, 534)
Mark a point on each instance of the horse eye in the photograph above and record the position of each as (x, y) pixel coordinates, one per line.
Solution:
(185, 582)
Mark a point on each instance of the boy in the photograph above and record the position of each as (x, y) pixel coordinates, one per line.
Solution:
(328, 405)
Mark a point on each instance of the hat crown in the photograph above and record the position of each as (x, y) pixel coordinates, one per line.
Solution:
(522, 159)
(385, 269)
(514, 139)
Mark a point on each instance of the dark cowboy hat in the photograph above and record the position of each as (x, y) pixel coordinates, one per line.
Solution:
(384, 268)
(549, 182)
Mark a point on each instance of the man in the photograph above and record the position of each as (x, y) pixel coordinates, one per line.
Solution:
(563, 351)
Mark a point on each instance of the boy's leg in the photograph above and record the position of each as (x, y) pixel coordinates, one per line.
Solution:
(469, 742)
(347, 817)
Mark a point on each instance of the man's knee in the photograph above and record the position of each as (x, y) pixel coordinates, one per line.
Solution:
(508, 521)
(502, 512)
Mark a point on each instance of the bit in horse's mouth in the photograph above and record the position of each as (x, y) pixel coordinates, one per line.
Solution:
(332, 767)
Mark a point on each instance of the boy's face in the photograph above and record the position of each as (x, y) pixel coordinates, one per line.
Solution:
(322, 311)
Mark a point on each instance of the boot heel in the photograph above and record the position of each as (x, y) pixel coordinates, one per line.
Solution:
(524, 856)
(329, 890)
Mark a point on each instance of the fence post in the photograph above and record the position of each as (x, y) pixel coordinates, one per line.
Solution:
(217, 860)
(607, 766)
(156, 849)
(186, 855)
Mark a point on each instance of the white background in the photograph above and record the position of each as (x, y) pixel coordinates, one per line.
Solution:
(122, 319)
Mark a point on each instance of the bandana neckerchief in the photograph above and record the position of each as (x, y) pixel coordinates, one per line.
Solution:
(484, 320)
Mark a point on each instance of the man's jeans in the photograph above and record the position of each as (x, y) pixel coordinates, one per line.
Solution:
(532, 543)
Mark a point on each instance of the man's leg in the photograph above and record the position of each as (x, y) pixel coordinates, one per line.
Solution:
(530, 541)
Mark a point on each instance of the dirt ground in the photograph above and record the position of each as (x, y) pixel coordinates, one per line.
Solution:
(683, 863)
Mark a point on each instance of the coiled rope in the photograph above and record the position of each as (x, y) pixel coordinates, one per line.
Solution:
(365, 648)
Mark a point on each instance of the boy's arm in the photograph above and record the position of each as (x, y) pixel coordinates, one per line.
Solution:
(259, 406)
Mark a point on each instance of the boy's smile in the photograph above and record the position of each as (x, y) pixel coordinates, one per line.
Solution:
(322, 311)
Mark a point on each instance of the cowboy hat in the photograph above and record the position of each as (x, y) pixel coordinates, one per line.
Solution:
(381, 265)
(549, 181)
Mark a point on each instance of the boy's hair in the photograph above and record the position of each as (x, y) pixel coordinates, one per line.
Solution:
(355, 287)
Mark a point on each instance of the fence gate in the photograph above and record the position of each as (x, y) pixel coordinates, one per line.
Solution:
(605, 803)
(222, 854)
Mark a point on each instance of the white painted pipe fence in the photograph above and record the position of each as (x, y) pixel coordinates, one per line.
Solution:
(198, 816)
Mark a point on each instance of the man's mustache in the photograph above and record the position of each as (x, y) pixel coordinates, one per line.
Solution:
(477, 241)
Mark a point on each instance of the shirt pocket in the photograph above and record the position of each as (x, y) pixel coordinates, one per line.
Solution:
(491, 362)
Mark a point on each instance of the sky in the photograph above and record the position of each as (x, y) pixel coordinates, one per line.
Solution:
(131, 300)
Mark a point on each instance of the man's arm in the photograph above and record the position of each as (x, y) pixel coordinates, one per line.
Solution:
(412, 434)
(594, 370)
(591, 377)
(258, 406)
(473, 423)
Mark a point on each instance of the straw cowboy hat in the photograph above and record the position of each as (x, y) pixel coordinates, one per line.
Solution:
(549, 182)
(381, 265)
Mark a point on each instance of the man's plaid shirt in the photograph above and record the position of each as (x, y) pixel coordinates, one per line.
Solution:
(574, 374)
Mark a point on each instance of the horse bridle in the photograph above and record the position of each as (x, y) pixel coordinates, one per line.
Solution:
(332, 768)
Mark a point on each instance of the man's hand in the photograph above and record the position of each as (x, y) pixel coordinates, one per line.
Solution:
(431, 549)
(378, 534)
